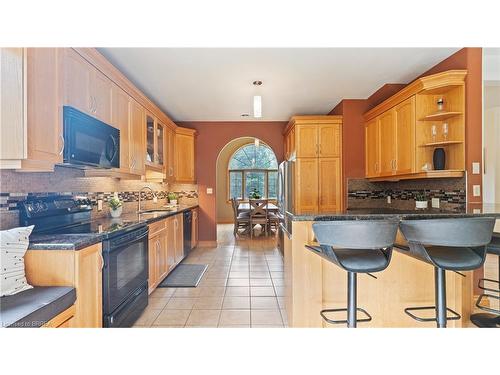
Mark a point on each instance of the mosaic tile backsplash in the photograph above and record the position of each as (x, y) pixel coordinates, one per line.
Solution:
(15, 187)
(365, 194)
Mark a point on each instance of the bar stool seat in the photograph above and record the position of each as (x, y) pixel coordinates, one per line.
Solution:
(357, 246)
(459, 259)
(457, 244)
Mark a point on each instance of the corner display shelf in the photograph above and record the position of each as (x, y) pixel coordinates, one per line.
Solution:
(438, 116)
(442, 143)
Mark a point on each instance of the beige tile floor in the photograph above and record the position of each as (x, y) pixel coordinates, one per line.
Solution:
(243, 287)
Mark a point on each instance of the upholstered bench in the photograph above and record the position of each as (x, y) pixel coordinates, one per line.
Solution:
(51, 306)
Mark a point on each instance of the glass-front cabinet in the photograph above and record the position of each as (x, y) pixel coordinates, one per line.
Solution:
(155, 142)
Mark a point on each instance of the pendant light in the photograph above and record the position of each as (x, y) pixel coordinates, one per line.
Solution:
(257, 102)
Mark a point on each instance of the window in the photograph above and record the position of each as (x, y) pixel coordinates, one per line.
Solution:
(253, 168)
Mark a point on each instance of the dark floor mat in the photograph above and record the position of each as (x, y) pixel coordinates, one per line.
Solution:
(184, 276)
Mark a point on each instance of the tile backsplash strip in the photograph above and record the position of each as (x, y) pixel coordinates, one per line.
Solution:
(366, 194)
(15, 186)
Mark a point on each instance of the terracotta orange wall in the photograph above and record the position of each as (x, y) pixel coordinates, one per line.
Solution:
(470, 59)
(211, 138)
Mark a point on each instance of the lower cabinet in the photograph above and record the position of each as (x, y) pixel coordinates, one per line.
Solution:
(81, 269)
(166, 248)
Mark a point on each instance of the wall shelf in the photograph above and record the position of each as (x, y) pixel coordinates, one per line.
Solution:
(438, 116)
(442, 143)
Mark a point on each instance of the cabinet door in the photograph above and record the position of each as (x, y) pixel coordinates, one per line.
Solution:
(372, 162)
(291, 148)
(405, 136)
(170, 151)
(307, 140)
(152, 261)
(120, 121)
(330, 184)
(77, 74)
(150, 139)
(184, 163)
(329, 140)
(306, 185)
(44, 96)
(161, 256)
(171, 261)
(136, 137)
(100, 94)
(88, 272)
(160, 144)
(387, 143)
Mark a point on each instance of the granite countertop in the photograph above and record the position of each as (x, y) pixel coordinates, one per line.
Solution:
(376, 213)
(80, 241)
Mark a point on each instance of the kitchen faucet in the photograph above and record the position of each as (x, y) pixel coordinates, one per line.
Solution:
(140, 191)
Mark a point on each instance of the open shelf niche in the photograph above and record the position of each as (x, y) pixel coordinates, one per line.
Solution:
(429, 115)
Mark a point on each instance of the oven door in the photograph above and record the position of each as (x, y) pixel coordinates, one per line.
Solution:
(125, 267)
(88, 141)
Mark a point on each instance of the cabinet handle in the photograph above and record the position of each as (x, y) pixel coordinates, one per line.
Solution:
(62, 144)
(102, 259)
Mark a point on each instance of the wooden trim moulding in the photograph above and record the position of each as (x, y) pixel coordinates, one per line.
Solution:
(416, 176)
(319, 119)
(426, 84)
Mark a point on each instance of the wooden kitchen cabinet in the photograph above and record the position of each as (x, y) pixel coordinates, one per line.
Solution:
(136, 144)
(32, 136)
(405, 136)
(329, 188)
(185, 155)
(158, 253)
(398, 132)
(120, 120)
(81, 269)
(317, 150)
(387, 130)
(86, 88)
(372, 143)
(178, 237)
(170, 152)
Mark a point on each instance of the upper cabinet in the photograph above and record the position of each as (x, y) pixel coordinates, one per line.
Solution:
(185, 155)
(85, 87)
(315, 143)
(37, 82)
(402, 133)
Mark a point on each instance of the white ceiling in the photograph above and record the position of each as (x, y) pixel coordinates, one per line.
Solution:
(215, 84)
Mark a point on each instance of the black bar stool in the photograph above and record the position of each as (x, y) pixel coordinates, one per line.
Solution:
(492, 318)
(357, 246)
(457, 244)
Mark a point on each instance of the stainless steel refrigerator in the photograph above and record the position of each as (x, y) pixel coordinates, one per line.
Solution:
(286, 201)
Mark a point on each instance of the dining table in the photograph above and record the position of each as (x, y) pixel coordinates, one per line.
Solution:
(245, 207)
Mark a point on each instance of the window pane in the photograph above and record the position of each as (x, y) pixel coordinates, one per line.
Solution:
(235, 184)
(254, 181)
(251, 157)
(272, 183)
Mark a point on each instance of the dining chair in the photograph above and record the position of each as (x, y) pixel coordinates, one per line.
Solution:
(258, 214)
(241, 220)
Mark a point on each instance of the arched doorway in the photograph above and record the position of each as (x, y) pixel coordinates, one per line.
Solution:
(244, 165)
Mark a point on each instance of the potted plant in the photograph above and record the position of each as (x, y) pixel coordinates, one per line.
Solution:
(420, 200)
(116, 206)
(172, 198)
(255, 194)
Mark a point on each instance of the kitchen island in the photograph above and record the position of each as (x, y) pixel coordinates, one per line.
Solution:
(313, 284)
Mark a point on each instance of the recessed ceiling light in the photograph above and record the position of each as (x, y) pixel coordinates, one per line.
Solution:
(257, 83)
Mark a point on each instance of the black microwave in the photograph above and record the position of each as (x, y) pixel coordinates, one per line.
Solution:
(89, 141)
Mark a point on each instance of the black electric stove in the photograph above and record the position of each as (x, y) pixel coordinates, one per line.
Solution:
(124, 250)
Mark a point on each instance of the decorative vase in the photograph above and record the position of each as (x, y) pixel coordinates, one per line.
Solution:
(421, 204)
(439, 158)
(116, 213)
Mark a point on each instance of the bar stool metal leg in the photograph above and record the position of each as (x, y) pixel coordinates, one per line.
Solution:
(440, 286)
(351, 300)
